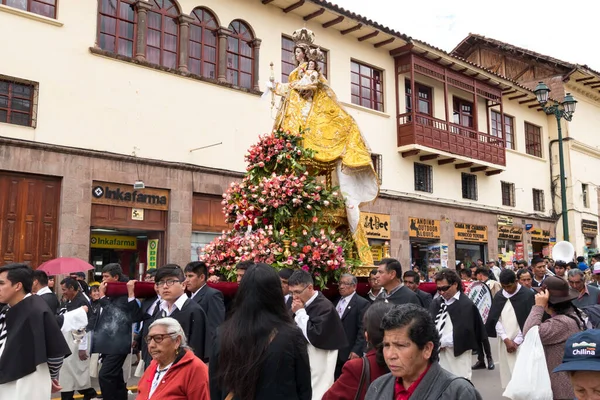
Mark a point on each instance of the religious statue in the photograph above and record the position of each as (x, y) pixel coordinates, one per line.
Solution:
(341, 153)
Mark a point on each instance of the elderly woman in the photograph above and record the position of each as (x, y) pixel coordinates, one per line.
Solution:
(554, 299)
(411, 344)
(175, 372)
(351, 382)
(582, 362)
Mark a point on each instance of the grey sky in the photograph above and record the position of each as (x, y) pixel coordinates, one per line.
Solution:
(538, 26)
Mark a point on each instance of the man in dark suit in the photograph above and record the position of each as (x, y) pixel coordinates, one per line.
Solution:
(389, 275)
(411, 280)
(351, 308)
(40, 287)
(112, 335)
(149, 309)
(284, 275)
(211, 300)
(175, 303)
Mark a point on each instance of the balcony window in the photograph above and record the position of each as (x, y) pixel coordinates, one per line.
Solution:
(509, 130)
(377, 165)
(16, 103)
(423, 178)
(538, 200)
(46, 8)
(367, 86)
(424, 98)
(508, 194)
(533, 140)
(469, 186)
(463, 112)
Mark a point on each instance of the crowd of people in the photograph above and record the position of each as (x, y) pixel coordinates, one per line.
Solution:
(281, 338)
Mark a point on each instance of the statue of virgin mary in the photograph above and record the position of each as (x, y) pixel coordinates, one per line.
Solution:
(341, 152)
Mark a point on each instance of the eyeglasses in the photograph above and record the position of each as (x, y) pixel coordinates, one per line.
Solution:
(298, 292)
(409, 282)
(158, 338)
(167, 283)
(346, 284)
(443, 288)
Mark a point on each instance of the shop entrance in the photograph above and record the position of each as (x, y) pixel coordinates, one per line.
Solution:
(419, 254)
(469, 253)
(129, 248)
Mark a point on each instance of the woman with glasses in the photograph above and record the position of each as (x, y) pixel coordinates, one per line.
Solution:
(175, 373)
(458, 322)
(260, 354)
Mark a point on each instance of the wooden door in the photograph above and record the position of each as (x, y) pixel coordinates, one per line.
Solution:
(29, 207)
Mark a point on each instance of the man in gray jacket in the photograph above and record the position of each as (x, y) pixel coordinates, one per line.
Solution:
(411, 345)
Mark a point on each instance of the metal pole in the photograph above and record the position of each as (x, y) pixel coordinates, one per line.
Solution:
(563, 188)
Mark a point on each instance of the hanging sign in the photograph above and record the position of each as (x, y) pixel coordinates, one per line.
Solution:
(377, 226)
(505, 220)
(510, 233)
(589, 227)
(113, 242)
(470, 232)
(540, 235)
(115, 194)
(152, 253)
(424, 228)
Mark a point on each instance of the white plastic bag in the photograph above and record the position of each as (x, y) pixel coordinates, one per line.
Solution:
(530, 379)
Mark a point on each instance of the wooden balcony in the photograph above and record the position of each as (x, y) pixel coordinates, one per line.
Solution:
(435, 134)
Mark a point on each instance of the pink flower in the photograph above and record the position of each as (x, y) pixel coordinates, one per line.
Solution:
(305, 267)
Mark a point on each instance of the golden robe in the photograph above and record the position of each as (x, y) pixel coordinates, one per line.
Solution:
(309, 104)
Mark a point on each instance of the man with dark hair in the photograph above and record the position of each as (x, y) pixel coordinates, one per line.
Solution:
(32, 347)
(459, 323)
(411, 345)
(560, 269)
(284, 276)
(75, 373)
(170, 282)
(209, 299)
(112, 334)
(389, 276)
(506, 319)
(40, 288)
(524, 278)
(588, 295)
(321, 326)
(483, 275)
(583, 267)
(539, 271)
(241, 268)
(376, 290)
(411, 280)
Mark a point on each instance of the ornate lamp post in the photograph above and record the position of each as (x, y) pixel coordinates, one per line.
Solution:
(565, 110)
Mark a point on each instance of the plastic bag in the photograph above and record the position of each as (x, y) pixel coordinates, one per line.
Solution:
(530, 379)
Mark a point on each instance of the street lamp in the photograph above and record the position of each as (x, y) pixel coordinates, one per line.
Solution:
(565, 110)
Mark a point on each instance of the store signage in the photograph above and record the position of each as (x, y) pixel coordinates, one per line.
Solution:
(510, 233)
(540, 236)
(504, 220)
(114, 194)
(528, 227)
(152, 253)
(113, 242)
(589, 227)
(377, 226)
(377, 252)
(424, 228)
(137, 214)
(470, 233)
(520, 251)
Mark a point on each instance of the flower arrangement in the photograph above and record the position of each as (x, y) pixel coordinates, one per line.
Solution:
(276, 212)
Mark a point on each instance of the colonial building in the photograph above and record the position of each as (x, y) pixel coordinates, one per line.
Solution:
(581, 138)
(97, 97)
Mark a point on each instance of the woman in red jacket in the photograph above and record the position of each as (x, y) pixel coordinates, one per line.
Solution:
(175, 373)
(347, 385)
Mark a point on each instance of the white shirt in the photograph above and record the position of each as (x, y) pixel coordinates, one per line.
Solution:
(447, 337)
(374, 296)
(151, 309)
(302, 317)
(500, 332)
(286, 298)
(44, 290)
(158, 378)
(177, 305)
(343, 304)
(197, 291)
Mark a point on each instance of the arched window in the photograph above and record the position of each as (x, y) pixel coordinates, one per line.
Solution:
(203, 44)
(163, 32)
(240, 55)
(116, 26)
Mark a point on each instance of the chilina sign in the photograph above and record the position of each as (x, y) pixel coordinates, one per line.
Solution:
(125, 196)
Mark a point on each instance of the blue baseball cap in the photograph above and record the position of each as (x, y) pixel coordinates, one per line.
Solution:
(582, 352)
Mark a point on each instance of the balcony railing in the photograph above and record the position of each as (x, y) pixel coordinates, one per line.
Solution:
(451, 138)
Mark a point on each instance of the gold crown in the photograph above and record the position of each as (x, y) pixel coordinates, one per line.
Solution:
(315, 55)
(303, 37)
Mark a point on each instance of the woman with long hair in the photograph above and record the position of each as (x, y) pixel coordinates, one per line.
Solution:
(557, 319)
(349, 383)
(260, 353)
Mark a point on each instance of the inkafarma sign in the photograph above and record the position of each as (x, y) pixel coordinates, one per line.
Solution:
(114, 194)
